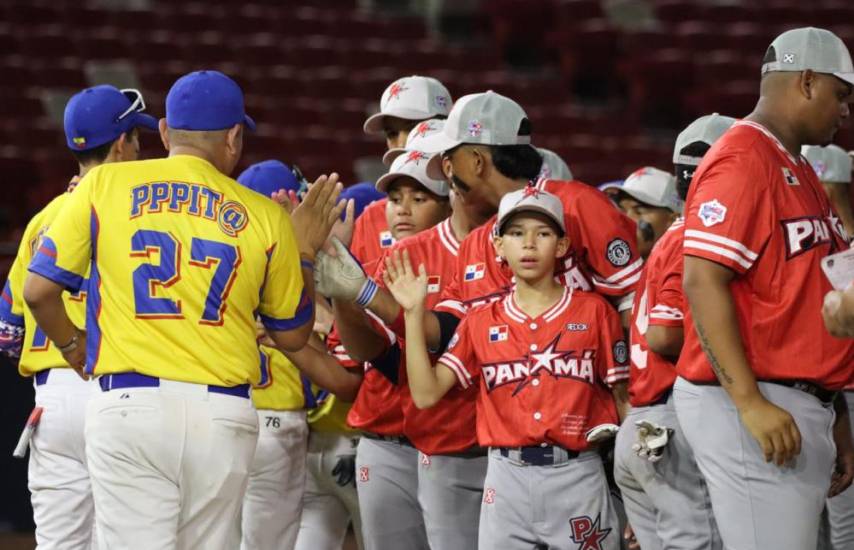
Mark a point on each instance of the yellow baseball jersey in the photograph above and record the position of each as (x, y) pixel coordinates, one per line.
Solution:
(182, 258)
(37, 352)
(281, 387)
(329, 414)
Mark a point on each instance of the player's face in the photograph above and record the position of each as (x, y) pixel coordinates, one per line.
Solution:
(411, 208)
(464, 168)
(531, 245)
(397, 130)
(652, 222)
(828, 109)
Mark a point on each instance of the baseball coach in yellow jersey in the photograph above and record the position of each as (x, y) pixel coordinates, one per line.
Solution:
(181, 257)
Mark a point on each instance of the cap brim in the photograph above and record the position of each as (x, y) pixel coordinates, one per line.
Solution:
(386, 179)
(392, 154)
(640, 196)
(847, 77)
(437, 143)
(530, 208)
(605, 187)
(374, 123)
(142, 120)
(249, 122)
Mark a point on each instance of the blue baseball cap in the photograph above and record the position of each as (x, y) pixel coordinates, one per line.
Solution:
(362, 194)
(100, 114)
(206, 101)
(269, 176)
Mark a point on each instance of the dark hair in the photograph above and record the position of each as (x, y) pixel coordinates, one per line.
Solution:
(685, 172)
(517, 161)
(99, 154)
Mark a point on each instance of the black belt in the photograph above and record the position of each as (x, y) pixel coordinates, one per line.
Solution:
(399, 439)
(471, 452)
(537, 455)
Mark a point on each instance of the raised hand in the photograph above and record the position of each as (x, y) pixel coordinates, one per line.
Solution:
(286, 199)
(316, 214)
(408, 289)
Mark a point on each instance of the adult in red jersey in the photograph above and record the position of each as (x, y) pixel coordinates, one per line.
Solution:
(543, 358)
(666, 499)
(759, 375)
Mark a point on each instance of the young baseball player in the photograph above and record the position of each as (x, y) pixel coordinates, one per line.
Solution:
(100, 127)
(182, 257)
(274, 492)
(665, 497)
(543, 357)
(405, 103)
(759, 374)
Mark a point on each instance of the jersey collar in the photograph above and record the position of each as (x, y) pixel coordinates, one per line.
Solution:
(515, 313)
(769, 135)
(447, 237)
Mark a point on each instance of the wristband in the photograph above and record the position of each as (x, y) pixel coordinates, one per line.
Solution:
(369, 290)
(307, 264)
(70, 346)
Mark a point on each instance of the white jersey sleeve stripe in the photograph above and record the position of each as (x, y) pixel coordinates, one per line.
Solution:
(725, 252)
(735, 245)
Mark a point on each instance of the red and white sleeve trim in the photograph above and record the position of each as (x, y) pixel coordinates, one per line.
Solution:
(617, 374)
(622, 279)
(704, 243)
(453, 305)
(452, 362)
(666, 313)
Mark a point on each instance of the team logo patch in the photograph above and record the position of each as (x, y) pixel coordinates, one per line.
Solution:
(576, 327)
(788, 58)
(619, 253)
(442, 101)
(396, 89)
(474, 272)
(426, 128)
(621, 352)
(386, 240)
(79, 142)
(232, 218)
(433, 284)
(489, 495)
(712, 213)
(790, 178)
(364, 474)
(498, 333)
(475, 128)
(587, 534)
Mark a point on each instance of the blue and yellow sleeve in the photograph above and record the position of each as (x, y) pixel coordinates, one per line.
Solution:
(285, 305)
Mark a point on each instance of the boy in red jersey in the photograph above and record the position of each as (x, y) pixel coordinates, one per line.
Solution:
(545, 356)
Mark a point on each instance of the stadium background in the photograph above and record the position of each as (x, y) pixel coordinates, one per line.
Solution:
(607, 85)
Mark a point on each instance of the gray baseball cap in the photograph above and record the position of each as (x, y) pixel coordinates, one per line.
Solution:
(653, 187)
(411, 98)
(413, 164)
(530, 199)
(413, 140)
(831, 163)
(554, 167)
(706, 129)
(810, 48)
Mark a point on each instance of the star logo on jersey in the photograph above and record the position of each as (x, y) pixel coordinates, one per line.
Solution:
(416, 157)
(434, 284)
(790, 178)
(396, 89)
(386, 240)
(586, 532)
(554, 362)
(498, 333)
(712, 213)
(474, 272)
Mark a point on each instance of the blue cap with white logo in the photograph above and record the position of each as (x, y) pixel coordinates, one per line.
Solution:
(269, 176)
(206, 101)
(100, 114)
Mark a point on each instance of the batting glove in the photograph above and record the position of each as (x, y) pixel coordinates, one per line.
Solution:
(345, 470)
(652, 439)
(341, 277)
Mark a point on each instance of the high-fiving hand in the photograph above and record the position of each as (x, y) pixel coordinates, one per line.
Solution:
(316, 214)
(408, 289)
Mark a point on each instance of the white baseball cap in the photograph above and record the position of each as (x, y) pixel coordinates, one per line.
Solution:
(413, 140)
(411, 98)
(483, 119)
(413, 164)
(831, 163)
(653, 187)
(554, 167)
(706, 129)
(810, 48)
(530, 199)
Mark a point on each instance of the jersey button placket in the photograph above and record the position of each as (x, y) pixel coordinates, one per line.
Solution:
(538, 415)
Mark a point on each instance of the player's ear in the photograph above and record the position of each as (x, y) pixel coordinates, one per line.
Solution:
(807, 83)
(234, 139)
(497, 243)
(562, 246)
(164, 133)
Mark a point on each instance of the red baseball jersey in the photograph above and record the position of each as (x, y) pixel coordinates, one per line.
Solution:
(762, 213)
(449, 426)
(542, 380)
(659, 301)
(603, 253)
(371, 235)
